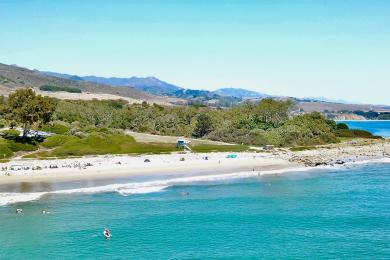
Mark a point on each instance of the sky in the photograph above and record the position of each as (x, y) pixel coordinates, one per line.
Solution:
(337, 49)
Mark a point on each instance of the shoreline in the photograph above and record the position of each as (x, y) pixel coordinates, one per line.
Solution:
(111, 167)
(21, 181)
(123, 166)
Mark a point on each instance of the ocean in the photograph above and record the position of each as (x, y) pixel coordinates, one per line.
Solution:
(319, 213)
(379, 127)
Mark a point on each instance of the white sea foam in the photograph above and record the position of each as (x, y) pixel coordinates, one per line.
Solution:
(10, 198)
(369, 161)
(159, 185)
(140, 187)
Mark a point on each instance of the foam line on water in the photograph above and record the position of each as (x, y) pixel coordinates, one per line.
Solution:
(125, 188)
(159, 185)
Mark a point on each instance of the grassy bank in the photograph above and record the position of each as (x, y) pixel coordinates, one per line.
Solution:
(205, 148)
(98, 144)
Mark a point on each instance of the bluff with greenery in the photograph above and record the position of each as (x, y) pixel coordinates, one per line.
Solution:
(266, 122)
(96, 127)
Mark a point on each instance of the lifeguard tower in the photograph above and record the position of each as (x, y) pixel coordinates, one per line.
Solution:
(182, 143)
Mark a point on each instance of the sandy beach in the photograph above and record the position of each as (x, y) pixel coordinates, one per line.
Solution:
(117, 166)
(107, 167)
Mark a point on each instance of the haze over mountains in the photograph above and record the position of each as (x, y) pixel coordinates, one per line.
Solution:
(240, 93)
(148, 84)
(13, 77)
(156, 86)
(151, 90)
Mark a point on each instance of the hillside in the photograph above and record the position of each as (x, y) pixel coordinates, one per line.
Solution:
(153, 90)
(13, 77)
(148, 84)
(154, 86)
(240, 93)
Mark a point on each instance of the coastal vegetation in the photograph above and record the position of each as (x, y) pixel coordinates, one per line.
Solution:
(101, 143)
(302, 148)
(5, 79)
(54, 88)
(204, 148)
(26, 108)
(8, 147)
(372, 115)
(342, 130)
(97, 126)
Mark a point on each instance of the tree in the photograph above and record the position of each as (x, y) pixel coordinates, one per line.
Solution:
(272, 112)
(203, 126)
(24, 106)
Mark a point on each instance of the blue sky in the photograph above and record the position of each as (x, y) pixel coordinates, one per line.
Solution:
(337, 49)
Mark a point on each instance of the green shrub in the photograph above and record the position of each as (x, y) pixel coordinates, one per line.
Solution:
(97, 130)
(5, 151)
(342, 126)
(204, 148)
(302, 148)
(385, 116)
(55, 128)
(3, 122)
(240, 136)
(356, 133)
(98, 143)
(57, 140)
(19, 146)
(53, 88)
(10, 134)
(304, 130)
(363, 134)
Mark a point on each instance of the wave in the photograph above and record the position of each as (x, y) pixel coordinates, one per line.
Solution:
(126, 189)
(369, 161)
(11, 198)
(137, 187)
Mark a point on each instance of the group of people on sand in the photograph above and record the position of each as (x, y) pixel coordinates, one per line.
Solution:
(15, 168)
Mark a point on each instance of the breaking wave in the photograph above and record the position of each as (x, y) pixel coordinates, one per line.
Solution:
(126, 189)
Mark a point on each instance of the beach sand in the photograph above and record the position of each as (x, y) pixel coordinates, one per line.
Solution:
(24, 180)
(120, 166)
(109, 167)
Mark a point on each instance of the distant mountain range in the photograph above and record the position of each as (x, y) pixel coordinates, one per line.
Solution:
(151, 85)
(153, 90)
(240, 93)
(156, 86)
(13, 77)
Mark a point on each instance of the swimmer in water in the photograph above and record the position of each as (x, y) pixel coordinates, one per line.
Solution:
(107, 233)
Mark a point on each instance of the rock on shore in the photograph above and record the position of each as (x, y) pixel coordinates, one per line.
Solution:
(342, 153)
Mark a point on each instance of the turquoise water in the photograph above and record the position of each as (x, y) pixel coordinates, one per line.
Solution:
(341, 213)
(381, 128)
(318, 214)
